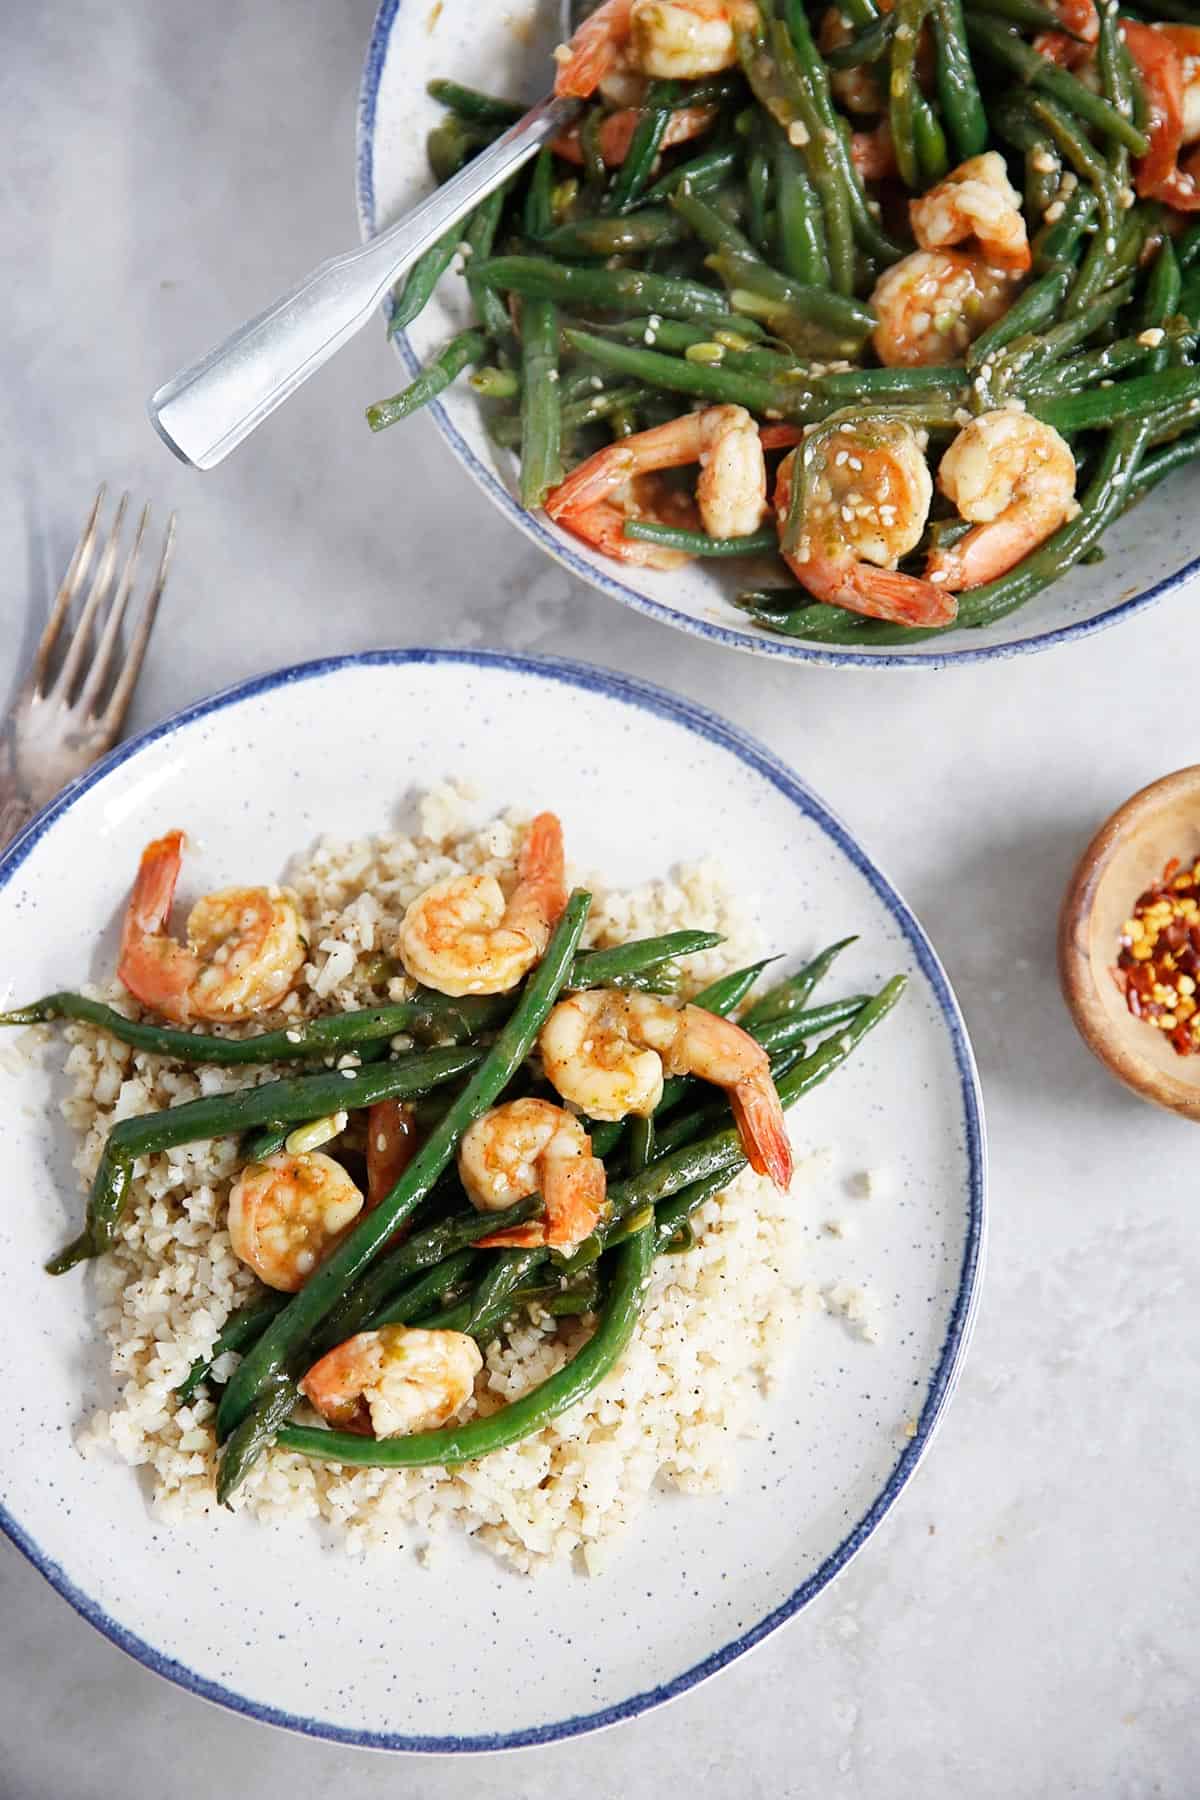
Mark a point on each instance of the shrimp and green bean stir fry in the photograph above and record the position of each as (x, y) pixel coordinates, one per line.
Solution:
(561, 1114)
(902, 296)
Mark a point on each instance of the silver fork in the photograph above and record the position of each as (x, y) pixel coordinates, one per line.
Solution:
(63, 721)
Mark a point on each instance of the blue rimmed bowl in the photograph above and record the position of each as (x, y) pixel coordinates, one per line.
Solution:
(465, 1655)
(1151, 552)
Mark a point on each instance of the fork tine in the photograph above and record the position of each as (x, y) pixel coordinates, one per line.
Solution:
(97, 675)
(114, 712)
(101, 587)
(77, 568)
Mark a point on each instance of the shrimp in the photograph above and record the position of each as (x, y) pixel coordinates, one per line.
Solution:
(1073, 47)
(1014, 478)
(867, 494)
(672, 40)
(394, 1381)
(531, 1147)
(462, 937)
(616, 133)
(932, 304)
(858, 90)
(391, 1146)
(286, 1214)
(873, 153)
(731, 492)
(1185, 39)
(607, 1052)
(244, 951)
(1161, 60)
(975, 201)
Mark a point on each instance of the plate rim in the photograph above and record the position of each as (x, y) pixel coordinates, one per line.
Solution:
(647, 696)
(532, 527)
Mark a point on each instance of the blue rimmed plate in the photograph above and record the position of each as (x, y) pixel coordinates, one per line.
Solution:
(466, 1655)
(1148, 554)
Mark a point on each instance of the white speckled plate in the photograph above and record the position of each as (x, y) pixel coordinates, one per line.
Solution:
(506, 49)
(465, 1655)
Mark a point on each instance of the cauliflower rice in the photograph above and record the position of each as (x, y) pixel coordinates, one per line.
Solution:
(716, 1323)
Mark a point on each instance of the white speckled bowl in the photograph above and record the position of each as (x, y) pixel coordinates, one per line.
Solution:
(465, 1655)
(506, 49)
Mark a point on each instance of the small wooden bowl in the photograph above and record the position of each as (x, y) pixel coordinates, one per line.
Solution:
(1126, 856)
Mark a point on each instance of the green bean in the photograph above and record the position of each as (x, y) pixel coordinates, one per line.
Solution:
(479, 237)
(698, 543)
(1187, 248)
(468, 347)
(604, 968)
(240, 1328)
(807, 318)
(653, 119)
(758, 195)
(416, 1296)
(452, 144)
(727, 992)
(470, 103)
(1056, 244)
(601, 236)
(595, 168)
(793, 105)
(266, 1364)
(739, 388)
(1083, 157)
(1032, 354)
(1163, 463)
(904, 90)
(1030, 13)
(866, 386)
(479, 1437)
(614, 290)
(492, 383)
(413, 292)
(790, 996)
(299, 1099)
(541, 411)
(507, 1269)
(580, 413)
(267, 1141)
(1035, 308)
(388, 1275)
(800, 231)
(428, 1016)
(1005, 46)
(1160, 300)
(787, 1030)
(958, 91)
(700, 174)
(1101, 408)
(803, 73)
(869, 45)
(1118, 86)
(740, 336)
(1093, 366)
(641, 1143)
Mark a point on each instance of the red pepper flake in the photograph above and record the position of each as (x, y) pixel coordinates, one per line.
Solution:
(1157, 963)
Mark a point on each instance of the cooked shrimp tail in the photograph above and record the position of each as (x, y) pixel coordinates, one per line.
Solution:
(759, 1118)
(155, 969)
(597, 49)
(526, 1147)
(541, 892)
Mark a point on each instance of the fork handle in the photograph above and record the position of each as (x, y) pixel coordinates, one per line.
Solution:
(15, 813)
(205, 412)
